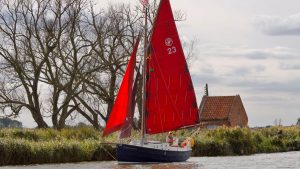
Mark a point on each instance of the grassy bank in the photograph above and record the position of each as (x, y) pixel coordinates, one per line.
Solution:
(31, 146)
(244, 141)
(35, 146)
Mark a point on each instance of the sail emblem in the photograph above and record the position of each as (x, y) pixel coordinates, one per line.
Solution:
(168, 41)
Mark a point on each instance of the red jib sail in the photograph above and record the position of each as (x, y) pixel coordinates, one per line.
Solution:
(127, 126)
(170, 97)
(123, 101)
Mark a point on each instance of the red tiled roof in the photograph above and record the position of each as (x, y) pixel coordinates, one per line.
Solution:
(216, 107)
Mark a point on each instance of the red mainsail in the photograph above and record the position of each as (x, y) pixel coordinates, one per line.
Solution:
(170, 97)
(124, 98)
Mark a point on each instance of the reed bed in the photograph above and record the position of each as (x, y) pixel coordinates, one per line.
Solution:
(36, 146)
(245, 141)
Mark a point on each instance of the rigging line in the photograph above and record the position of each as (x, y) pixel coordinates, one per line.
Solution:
(109, 153)
(192, 135)
(125, 129)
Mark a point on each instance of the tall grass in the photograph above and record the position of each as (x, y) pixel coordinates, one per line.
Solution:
(243, 141)
(32, 146)
(80, 133)
(22, 151)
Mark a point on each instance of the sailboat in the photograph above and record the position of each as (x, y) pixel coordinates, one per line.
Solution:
(169, 101)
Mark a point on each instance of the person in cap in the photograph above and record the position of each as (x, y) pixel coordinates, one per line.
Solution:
(170, 138)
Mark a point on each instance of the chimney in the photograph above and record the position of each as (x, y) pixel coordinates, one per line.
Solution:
(206, 90)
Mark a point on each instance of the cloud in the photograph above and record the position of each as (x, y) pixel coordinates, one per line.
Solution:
(219, 50)
(272, 25)
(289, 66)
(269, 72)
(266, 77)
(219, 64)
(268, 87)
(207, 78)
(242, 71)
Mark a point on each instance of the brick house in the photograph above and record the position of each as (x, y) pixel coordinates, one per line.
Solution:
(222, 111)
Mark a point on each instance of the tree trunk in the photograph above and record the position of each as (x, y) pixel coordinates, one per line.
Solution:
(112, 87)
(39, 119)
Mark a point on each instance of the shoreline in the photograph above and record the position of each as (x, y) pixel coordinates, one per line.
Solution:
(47, 146)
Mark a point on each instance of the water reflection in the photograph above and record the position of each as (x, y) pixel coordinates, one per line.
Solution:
(112, 165)
(186, 165)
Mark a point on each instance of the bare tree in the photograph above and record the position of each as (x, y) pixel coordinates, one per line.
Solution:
(62, 58)
(22, 57)
(41, 50)
(65, 68)
(112, 37)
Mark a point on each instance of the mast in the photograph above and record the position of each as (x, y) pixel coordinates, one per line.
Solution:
(143, 125)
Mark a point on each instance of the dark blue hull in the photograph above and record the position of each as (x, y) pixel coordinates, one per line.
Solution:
(133, 153)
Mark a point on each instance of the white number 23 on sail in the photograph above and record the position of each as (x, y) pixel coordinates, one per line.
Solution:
(171, 50)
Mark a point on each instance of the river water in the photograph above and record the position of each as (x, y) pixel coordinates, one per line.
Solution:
(288, 160)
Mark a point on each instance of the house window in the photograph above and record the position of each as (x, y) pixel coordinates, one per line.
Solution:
(211, 127)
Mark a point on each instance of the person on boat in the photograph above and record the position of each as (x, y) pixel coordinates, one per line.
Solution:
(170, 138)
(188, 142)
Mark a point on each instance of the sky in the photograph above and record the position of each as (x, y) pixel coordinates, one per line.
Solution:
(250, 48)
